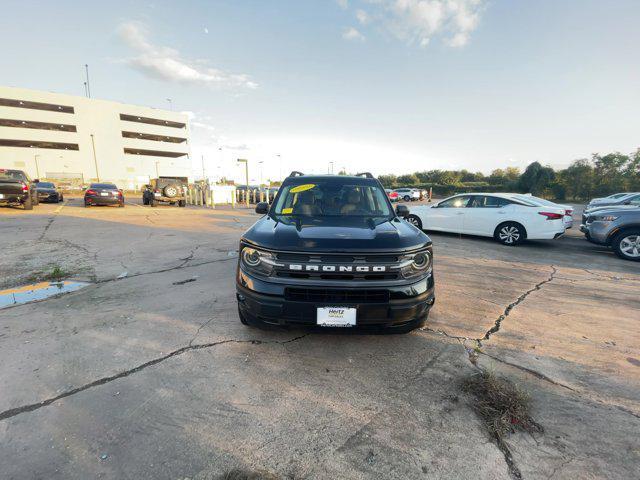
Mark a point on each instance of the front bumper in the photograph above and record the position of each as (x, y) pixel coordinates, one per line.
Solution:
(297, 303)
(48, 197)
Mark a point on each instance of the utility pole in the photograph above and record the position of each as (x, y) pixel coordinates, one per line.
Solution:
(86, 92)
(86, 69)
(157, 172)
(246, 172)
(170, 104)
(203, 176)
(330, 167)
(95, 159)
(35, 157)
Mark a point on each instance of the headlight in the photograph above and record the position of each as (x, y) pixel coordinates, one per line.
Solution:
(415, 264)
(258, 261)
(607, 218)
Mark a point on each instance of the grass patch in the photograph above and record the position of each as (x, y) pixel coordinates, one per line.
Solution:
(503, 406)
(56, 274)
(242, 474)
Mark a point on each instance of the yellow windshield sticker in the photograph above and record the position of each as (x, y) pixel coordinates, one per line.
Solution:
(302, 188)
(287, 211)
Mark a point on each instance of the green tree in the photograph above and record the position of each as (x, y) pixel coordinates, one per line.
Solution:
(536, 179)
(407, 180)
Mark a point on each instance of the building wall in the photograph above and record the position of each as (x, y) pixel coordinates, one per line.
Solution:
(52, 151)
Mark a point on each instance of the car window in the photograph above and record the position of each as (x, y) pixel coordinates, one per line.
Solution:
(634, 200)
(46, 185)
(455, 202)
(9, 175)
(103, 185)
(484, 201)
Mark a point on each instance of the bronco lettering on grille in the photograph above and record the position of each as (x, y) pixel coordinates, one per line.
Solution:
(337, 268)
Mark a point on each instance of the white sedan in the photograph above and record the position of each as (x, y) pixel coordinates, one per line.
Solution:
(502, 216)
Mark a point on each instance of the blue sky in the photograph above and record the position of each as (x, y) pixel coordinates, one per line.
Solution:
(390, 86)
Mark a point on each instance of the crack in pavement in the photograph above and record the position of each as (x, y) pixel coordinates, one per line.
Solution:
(104, 380)
(511, 306)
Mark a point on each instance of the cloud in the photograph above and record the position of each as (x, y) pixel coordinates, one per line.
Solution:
(418, 21)
(344, 4)
(164, 63)
(353, 34)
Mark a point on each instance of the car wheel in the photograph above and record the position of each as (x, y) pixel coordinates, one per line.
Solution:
(153, 202)
(35, 201)
(121, 205)
(415, 221)
(243, 319)
(182, 203)
(406, 198)
(172, 190)
(627, 245)
(86, 204)
(145, 201)
(28, 204)
(510, 234)
(60, 199)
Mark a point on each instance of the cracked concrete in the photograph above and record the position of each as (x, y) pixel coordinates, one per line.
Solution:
(165, 381)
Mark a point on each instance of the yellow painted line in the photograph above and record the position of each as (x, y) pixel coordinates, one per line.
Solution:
(30, 288)
(60, 207)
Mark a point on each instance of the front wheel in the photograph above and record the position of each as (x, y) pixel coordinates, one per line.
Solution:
(510, 234)
(406, 198)
(627, 245)
(415, 221)
(153, 202)
(182, 203)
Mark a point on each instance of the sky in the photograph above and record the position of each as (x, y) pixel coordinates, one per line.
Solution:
(387, 86)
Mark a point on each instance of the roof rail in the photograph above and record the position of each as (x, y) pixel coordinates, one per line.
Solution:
(364, 174)
(296, 173)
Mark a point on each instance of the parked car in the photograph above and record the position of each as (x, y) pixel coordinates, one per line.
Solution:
(631, 198)
(507, 219)
(48, 192)
(171, 190)
(393, 196)
(618, 228)
(609, 198)
(568, 209)
(103, 194)
(408, 194)
(332, 252)
(594, 209)
(17, 188)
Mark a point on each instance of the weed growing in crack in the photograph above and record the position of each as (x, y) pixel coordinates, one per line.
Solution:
(503, 406)
(56, 274)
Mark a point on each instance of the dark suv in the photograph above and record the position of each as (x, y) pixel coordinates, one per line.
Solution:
(171, 190)
(330, 251)
(16, 187)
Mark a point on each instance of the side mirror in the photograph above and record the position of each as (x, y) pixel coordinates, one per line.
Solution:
(402, 211)
(262, 208)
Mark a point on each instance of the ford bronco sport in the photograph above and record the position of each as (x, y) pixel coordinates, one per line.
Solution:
(330, 251)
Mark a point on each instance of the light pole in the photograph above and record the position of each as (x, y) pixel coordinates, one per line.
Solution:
(35, 157)
(330, 167)
(203, 176)
(260, 163)
(246, 172)
(170, 104)
(95, 160)
(86, 69)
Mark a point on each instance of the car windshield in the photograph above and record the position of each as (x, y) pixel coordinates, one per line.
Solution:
(332, 199)
(45, 185)
(9, 175)
(103, 185)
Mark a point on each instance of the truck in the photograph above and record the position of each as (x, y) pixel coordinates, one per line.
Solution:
(331, 251)
(17, 188)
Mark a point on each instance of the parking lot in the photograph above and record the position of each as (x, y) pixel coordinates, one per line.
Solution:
(147, 372)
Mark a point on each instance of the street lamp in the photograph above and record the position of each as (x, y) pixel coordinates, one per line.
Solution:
(330, 168)
(157, 174)
(246, 172)
(95, 160)
(35, 157)
(170, 104)
(260, 163)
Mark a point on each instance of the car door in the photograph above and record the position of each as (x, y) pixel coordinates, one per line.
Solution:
(483, 213)
(447, 215)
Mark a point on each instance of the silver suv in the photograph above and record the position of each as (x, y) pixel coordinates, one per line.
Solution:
(618, 228)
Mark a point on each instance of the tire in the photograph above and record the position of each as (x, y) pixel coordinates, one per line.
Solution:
(510, 234)
(415, 221)
(86, 204)
(153, 202)
(243, 319)
(182, 203)
(60, 199)
(145, 200)
(406, 198)
(627, 245)
(172, 190)
(35, 201)
(121, 205)
(28, 204)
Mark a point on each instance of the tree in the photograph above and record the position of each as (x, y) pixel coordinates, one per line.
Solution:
(536, 179)
(407, 180)
(578, 179)
(388, 181)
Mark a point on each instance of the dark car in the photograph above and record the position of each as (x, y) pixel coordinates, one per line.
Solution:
(103, 194)
(48, 192)
(618, 228)
(17, 188)
(332, 252)
(171, 190)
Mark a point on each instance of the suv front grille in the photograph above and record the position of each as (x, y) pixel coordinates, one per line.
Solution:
(323, 295)
(343, 267)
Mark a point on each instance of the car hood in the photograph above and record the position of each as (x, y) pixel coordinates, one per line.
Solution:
(613, 209)
(335, 234)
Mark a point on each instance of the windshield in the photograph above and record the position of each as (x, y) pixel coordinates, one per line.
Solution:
(45, 185)
(103, 185)
(333, 199)
(12, 175)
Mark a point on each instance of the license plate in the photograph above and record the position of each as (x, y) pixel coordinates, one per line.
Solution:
(336, 317)
(104, 194)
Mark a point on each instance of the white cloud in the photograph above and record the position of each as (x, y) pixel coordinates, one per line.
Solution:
(167, 64)
(418, 21)
(363, 17)
(353, 34)
(344, 4)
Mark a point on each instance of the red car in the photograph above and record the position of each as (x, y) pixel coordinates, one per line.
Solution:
(393, 196)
